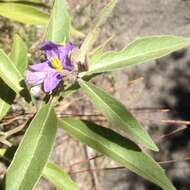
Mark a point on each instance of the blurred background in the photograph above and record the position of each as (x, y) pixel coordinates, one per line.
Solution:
(157, 93)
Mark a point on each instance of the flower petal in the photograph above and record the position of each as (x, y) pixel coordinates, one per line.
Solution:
(64, 56)
(35, 78)
(52, 81)
(67, 64)
(48, 45)
(41, 67)
(51, 49)
(69, 47)
(60, 52)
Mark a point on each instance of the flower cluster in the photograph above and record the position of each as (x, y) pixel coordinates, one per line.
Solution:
(50, 72)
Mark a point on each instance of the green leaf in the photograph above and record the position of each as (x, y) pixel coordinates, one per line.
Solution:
(59, 177)
(77, 33)
(118, 148)
(140, 51)
(87, 45)
(33, 151)
(30, 15)
(23, 13)
(19, 54)
(9, 73)
(19, 57)
(58, 29)
(21, 1)
(2, 151)
(7, 96)
(98, 51)
(74, 87)
(104, 14)
(116, 113)
(94, 31)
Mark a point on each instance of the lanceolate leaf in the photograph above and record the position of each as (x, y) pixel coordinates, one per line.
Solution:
(27, 14)
(37, 3)
(104, 14)
(98, 51)
(74, 87)
(118, 148)
(23, 13)
(116, 113)
(7, 96)
(58, 29)
(19, 57)
(77, 33)
(19, 54)
(9, 73)
(87, 45)
(33, 151)
(21, 1)
(59, 177)
(94, 30)
(2, 151)
(140, 51)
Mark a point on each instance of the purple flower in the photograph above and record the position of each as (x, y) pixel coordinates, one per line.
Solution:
(50, 72)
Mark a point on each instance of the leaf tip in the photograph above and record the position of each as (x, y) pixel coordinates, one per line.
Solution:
(152, 146)
(155, 148)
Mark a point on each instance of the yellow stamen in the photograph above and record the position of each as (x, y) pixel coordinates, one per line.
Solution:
(56, 63)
